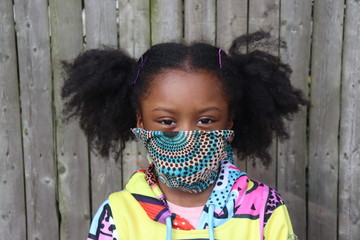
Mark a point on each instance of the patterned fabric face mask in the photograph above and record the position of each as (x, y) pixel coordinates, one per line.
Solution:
(187, 160)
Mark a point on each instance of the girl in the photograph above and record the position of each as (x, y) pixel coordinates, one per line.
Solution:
(191, 106)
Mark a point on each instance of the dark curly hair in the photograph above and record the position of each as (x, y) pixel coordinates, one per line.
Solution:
(99, 89)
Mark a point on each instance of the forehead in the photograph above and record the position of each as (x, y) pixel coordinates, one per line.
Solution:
(179, 86)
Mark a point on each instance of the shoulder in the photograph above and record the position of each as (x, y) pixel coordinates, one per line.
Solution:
(276, 221)
(274, 201)
(102, 225)
(265, 197)
(277, 224)
(273, 198)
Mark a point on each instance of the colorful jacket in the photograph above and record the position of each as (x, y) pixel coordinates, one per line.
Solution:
(238, 208)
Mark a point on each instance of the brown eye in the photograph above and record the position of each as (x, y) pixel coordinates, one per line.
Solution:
(205, 121)
(167, 122)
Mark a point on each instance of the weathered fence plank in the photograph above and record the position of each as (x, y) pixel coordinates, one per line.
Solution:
(71, 145)
(13, 216)
(231, 21)
(36, 105)
(292, 154)
(101, 29)
(31, 190)
(349, 165)
(134, 31)
(324, 119)
(134, 26)
(134, 158)
(200, 21)
(166, 21)
(264, 15)
(101, 26)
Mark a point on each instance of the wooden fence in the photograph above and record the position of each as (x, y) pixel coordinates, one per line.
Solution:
(50, 185)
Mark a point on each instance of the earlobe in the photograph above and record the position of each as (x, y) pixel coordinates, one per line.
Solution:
(139, 121)
(230, 123)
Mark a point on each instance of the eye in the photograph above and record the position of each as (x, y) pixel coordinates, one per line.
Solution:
(167, 122)
(205, 121)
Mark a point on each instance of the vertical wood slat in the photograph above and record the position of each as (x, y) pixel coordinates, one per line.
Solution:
(231, 22)
(134, 26)
(264, 15)
(200, 21)
(71, 145)
(320, 170)
(101, 26)
(13, 218)
(349, 151)
(166, 21)
(292, 154)
(101, 29)
(106, 178)
(36, 104)
(134, 32)
(134, 158)
(324, 119)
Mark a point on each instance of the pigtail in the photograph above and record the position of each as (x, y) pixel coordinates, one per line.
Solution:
(97, 90)
(268, 98)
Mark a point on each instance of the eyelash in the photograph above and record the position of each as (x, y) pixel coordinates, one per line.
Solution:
(203, 121)
(206, 119)
(167, 120)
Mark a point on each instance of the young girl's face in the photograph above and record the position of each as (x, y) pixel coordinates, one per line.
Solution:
(180, 101)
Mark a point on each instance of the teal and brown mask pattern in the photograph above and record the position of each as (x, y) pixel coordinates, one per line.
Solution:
(187, 160)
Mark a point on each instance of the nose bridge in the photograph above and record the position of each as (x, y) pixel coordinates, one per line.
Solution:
(186, 125)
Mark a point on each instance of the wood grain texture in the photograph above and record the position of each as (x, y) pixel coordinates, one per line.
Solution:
(264, 15)
(134, 32)
(71, 145)
(134, 26)
(200, 21)
(349, 164)
(166, 21)
(38, 202)
(37, 121)
(106, 178)
(12, 189)
(134, 158)
(231, 21)
(101, 30)
(101, 26)
(292, 154)
(324, 119)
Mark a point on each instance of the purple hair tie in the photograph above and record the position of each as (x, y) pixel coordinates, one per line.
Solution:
(220, 59)
(140, 66)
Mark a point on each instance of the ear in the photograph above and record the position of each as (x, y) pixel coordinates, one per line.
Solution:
(139, 121)
(230, 122)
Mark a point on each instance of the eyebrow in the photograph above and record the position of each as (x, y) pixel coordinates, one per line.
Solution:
(210, 109)
(161, 109)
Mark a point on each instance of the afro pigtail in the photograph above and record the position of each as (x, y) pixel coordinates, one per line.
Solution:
(268, 98)
(97, 90)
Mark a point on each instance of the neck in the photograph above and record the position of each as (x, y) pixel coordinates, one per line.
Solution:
(185, 199)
